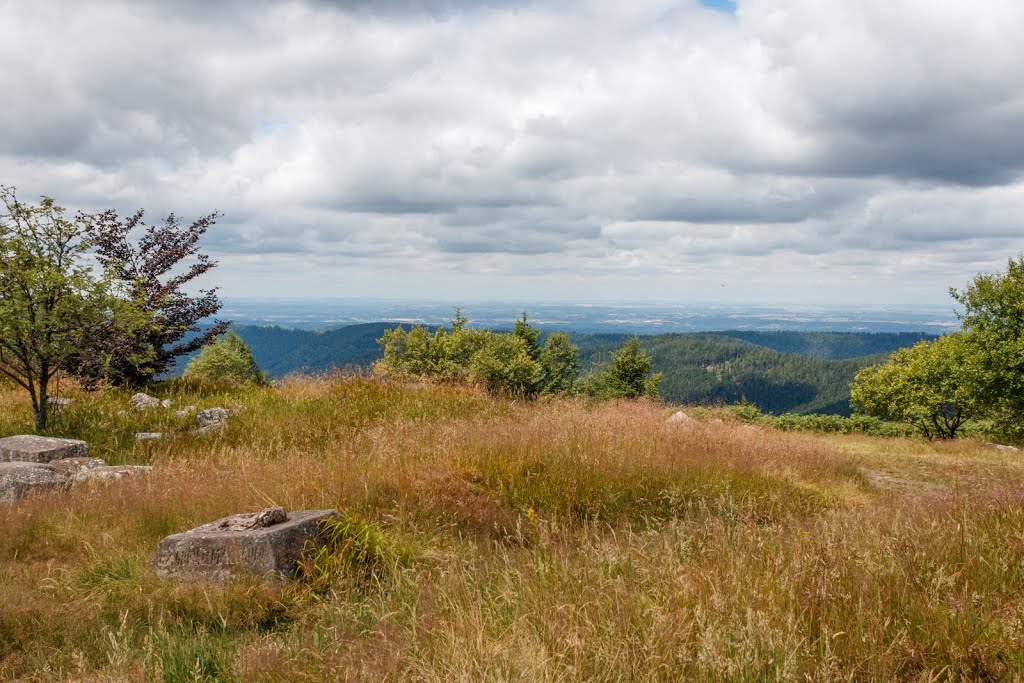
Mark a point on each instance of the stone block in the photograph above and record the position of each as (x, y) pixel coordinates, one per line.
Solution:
(32, 448)
(268, 543)
(70, 467)
(19, 479)
(212, 418)
(142, 401)
(111, 472)
(149, 436)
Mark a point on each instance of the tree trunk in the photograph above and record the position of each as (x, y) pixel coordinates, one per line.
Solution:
(43, 407)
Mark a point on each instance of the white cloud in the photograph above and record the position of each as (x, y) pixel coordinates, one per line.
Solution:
(794, 151)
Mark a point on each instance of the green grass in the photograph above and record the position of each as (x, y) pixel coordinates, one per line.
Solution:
(486, 539)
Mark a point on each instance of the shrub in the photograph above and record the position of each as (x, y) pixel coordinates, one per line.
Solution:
(829, 424)
(559, 360)
(228, 360)
(356, 553)
(507, 364)
(628, 376)
(504, 366)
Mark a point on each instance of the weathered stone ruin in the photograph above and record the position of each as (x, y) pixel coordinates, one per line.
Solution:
(19, 479)
(38, 464)
(268, 543)
(31, 448)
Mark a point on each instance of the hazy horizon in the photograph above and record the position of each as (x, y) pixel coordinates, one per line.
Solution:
(624, 317)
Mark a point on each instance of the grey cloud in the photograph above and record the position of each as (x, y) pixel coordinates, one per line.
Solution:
(584, 137)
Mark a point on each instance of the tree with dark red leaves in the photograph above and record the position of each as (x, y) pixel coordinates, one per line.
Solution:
(152, 272)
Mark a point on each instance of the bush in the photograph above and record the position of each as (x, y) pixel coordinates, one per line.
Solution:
(356, 553)
(628, 376)
(228, 360)
(504, 366)
(828, 424)
(507, 364)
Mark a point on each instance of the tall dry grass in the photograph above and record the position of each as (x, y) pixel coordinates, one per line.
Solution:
(553, 541)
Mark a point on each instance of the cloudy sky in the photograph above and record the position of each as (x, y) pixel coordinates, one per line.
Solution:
(792, 151)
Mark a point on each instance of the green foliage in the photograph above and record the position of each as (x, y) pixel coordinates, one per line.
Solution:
(530, 336)
(993, 323)
(629, 375)
(932, 386)
(559, 361)
(190, 655)
(507, 364)
(504, 365)
(354, 553)
(227, 360)
(828, 424)
(52, 307)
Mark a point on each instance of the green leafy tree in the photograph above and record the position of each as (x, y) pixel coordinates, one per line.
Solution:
(227, 360)
(504, 366)
(628, 376)
(559, 362)
(933, 386)
(459, 320)
(993, 320)
(530, 336)
(408, 352)
(51, 303)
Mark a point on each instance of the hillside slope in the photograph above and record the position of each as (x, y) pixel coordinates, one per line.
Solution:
(499, 540)
(830, 345)
(712, 368)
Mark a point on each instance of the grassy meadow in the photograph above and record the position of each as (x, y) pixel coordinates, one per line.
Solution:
(496, 540)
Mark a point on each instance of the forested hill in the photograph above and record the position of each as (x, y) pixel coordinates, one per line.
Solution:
(779, 371)
(716, 368)
(830, 345)
(280, 351)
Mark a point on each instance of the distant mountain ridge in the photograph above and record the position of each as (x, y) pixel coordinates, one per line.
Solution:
(801, 372)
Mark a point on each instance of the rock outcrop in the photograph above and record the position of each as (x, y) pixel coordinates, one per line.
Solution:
(212, 419)
(141, 401)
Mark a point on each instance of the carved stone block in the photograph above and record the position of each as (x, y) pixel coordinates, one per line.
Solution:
(32, 448)
(268, 543)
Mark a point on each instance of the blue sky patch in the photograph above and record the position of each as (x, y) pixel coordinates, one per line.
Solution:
(720, 5)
